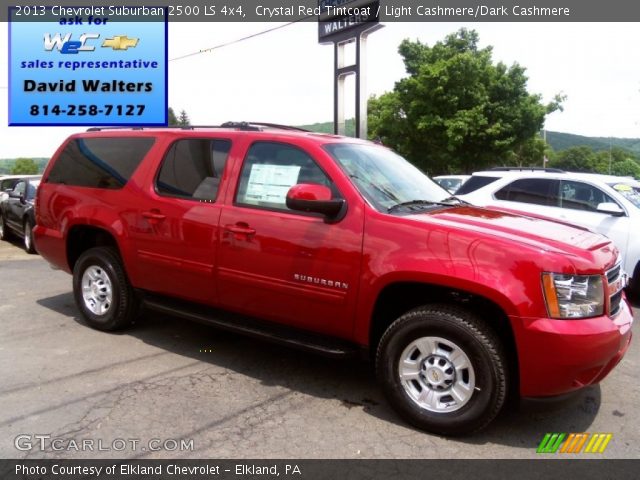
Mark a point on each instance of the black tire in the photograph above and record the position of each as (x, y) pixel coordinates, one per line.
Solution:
(450, 326)
(116, 311)
(5, 231)
(633, 289)
(29, 246)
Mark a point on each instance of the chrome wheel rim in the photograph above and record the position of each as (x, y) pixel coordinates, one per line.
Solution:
(27, 236)
(437, 374)
(97, 291)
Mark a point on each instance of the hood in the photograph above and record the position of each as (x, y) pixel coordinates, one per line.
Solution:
(545, 234)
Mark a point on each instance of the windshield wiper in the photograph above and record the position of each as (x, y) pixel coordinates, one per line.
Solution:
(447, 202)
(455, 199)
(414, 203)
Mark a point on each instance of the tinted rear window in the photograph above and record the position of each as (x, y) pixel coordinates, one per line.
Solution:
(99, 162)
(538, 191)
(474, 183)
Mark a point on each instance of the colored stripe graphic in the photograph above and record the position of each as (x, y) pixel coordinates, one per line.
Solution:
(574, 443)
(598, 443)
(550, 443)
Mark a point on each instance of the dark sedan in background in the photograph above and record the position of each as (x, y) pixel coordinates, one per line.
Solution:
(17, 216)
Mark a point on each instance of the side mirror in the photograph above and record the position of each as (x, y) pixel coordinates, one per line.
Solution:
(310, 197)
(610, 208)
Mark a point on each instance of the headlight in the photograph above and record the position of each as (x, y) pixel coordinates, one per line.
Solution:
(573, 296)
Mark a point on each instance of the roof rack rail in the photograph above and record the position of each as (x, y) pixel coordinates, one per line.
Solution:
(279, 126)
(526, 169)
(99, 129)
(256, 126)
(249, 126)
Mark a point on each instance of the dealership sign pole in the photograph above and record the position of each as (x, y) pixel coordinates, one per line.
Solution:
(341, 22)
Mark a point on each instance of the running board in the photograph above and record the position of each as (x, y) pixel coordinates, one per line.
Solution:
(272, 332)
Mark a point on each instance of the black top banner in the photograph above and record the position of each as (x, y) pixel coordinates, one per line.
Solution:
(310, 10)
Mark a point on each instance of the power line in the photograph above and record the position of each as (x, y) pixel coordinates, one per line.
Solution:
(238, 40)
(232, 42)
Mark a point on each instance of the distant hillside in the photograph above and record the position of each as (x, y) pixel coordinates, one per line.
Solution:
(562, 141)
(557, 140)
(6, 164)
(327, 127)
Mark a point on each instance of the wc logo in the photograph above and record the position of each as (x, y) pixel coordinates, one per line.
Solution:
(574, 443)
(65, 44)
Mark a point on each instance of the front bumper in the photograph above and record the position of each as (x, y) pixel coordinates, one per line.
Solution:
(560, 356)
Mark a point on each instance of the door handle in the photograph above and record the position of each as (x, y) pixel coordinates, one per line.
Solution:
(240, 228)
(154, 215)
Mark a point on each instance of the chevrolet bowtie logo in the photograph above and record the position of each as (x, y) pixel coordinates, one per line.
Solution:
(120, 42)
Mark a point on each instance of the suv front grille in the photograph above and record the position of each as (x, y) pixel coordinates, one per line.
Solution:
(615, 299)
(613, 274)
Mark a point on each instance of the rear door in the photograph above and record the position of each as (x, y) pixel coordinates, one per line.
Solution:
(176, 232)
(287, 266)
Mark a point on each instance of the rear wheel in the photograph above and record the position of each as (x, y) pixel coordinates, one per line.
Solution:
(102, 291)
(28, 237)
(443, 370)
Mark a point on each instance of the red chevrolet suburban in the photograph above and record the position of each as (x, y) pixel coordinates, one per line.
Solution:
(339, 246)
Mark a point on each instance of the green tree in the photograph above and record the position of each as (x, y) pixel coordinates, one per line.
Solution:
(584, 159)
(183, 120)
(626, 168)
(25, 166)
(530, 153)
(457, 110)
(617, 161)
(172, 120)
(576, 159)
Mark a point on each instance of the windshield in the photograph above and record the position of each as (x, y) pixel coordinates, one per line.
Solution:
(630, 192)
(384, 178)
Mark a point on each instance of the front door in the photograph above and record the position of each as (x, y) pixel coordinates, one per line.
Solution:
(287, 266)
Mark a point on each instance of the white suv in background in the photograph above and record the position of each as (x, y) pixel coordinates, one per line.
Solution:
(603, 203)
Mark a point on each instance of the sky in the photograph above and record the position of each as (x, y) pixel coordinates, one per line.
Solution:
(286, 77)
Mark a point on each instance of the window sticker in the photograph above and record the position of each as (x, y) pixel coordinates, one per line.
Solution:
(270, 183)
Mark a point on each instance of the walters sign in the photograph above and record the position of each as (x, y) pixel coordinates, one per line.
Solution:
(344, 18)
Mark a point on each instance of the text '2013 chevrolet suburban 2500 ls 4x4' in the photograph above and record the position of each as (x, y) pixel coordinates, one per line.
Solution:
(335, 245)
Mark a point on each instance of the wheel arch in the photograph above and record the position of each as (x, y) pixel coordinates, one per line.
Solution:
(81, 238)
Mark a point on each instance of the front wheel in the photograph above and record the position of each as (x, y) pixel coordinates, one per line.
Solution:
(443, 370)
(28, 237)
(5, 233)
(102, 291)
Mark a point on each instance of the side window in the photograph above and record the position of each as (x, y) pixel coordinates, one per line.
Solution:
(474, 183)
(105, 162)
(271, 169)
(582, 196)
(192, 169)
(31, 191)
(20, 188)
(537, 191)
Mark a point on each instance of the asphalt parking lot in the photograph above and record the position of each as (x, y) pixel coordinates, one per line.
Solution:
(137, 394)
